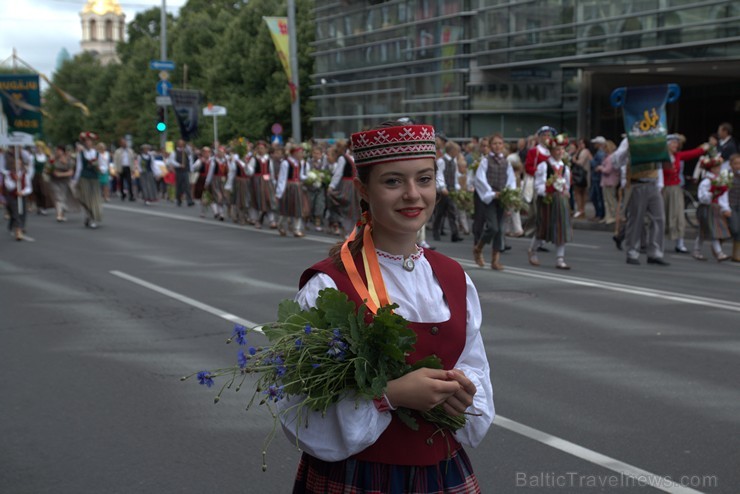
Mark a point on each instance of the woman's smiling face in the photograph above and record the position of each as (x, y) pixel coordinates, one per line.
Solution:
(401, 196)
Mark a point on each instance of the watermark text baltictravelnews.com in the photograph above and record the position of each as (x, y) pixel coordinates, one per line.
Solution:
(615, 480)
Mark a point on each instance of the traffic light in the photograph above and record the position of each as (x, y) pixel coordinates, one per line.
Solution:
(161, 119)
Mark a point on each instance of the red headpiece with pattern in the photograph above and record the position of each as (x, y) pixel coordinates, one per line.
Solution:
(390, 144)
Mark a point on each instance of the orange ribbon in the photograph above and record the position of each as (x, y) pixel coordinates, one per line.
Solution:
(374, 294)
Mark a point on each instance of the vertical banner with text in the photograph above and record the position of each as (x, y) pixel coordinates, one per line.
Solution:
(186, 104)
(278, 27)
(21, 102)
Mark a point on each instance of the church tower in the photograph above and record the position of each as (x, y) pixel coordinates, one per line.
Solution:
(103, 25)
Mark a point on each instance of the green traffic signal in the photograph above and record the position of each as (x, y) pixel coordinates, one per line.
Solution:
(161, 126)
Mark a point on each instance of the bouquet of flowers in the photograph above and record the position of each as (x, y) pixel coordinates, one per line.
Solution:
(317, 178)
(554, 184)
(463, 199)
(511, 199)
(720, 184)
(710, 161)
(322, 355)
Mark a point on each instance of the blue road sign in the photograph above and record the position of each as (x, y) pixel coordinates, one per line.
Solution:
(162, 65)
(163, 88)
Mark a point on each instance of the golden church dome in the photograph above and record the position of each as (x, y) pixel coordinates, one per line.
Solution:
(102, 7)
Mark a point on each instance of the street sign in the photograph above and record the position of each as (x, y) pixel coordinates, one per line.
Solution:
(277, 129)
(214, 111)
(16, 139)
(163, 88)
(163, 100)
(162, 65)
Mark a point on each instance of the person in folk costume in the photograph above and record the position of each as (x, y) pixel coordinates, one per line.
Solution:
(147, 175)
(644, 182)
(87, 179)
(341, 190)
(17, 185)
(478, 205)
(493, 176)
(513, 218)
(292, 199)
(61, 172)
(240, 194)
(202, 167)
(535, 155)
(104, 158)
(734, 201)
(447, 182)
(552, 185)
(361, 445)
(714, 209)
(673, 192)
(463, 221)
(263, 193)
(216, 181)
(317, 191)
(180, 161)
(334, 217)
(41, 196)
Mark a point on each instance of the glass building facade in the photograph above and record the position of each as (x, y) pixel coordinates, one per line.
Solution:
(474, 67)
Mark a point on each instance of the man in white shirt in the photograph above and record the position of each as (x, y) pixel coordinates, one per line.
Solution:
(447, 182)
(123, 160)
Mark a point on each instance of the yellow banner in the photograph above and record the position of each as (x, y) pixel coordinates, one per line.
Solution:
(279, 30)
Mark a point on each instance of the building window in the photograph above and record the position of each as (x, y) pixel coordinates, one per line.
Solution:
(631, 36)
(109, 30)
(93, 30)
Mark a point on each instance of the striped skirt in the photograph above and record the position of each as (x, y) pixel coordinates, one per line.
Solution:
(148, 186)
(553, 220)
(712, 225)
(88, 193)
(353, 476)
(264, 194)
(241, 198)
(346, 200)
(294, 202)
(218, 191)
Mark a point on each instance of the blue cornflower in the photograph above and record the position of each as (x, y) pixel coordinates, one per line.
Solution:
(337, 347)
(307, 329)
(274, 393)
(204, 377)
(252, 350)
(315, 366)
(337, 333)
(239, 334)
(298, 343)
(241, 359)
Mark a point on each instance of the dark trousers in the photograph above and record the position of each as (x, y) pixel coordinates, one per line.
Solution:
(479, 217)
(182, 186)
(16, 211)
(597, 198)
(446, 208)
(126, 183)
(493, 230)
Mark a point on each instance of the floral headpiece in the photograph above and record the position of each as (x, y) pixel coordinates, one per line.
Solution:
(390, 144)
(546, 128)
(88, 135)
(560, 140)
(708, 162)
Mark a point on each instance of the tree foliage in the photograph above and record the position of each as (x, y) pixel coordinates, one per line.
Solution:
(220, 47)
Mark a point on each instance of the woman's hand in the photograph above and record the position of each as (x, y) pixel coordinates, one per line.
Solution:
(463, 397)
(425, 388)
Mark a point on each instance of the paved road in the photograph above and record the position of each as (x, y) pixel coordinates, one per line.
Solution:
(601, 374)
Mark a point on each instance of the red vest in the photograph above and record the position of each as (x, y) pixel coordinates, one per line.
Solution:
(534, 158)
(672, 173)
(398, 444)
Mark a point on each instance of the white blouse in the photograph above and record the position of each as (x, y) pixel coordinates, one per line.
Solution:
(704, 193)
(540, 176)
(349, 427)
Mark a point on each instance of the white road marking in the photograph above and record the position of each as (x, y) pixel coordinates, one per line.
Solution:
(643, 476)
(619, 287)
(658, 482)
(187, 300)
(604, 285)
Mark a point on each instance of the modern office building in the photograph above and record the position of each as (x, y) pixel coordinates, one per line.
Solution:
(474, 67)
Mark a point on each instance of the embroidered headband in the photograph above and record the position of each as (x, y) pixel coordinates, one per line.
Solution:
(390, 144)
(88, 135)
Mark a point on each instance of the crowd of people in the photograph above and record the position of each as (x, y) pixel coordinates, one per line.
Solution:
(487, 189)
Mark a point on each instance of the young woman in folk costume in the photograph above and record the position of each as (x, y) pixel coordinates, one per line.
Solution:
(342, 191)
(292, 199)
(263, 193)
(552, 184)
(714, 209)
(216, 182)
(202, 167)
(60, 172)
(18, 185)
(317, 191)
(241, 195)
(147, 175)
(41, 196)
(87, 177)
(493, 176)
(362, 446)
